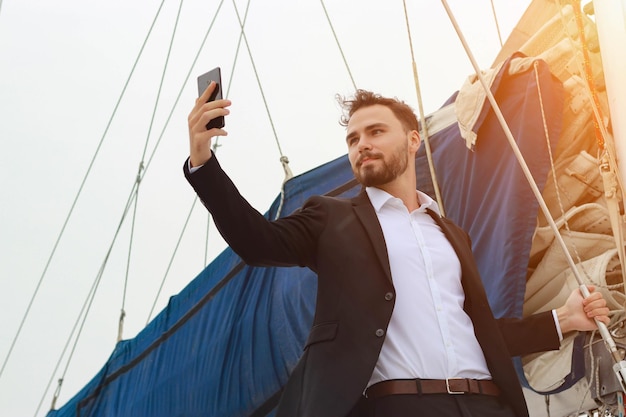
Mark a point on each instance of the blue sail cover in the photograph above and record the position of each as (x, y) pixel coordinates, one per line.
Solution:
(485, 190)
(225, 345)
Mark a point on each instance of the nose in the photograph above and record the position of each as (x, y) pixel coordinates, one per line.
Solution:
(364, 144)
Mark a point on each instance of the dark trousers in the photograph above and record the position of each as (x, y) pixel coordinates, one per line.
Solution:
(439, 405)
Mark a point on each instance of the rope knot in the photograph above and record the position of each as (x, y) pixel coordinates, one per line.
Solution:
(284, 160)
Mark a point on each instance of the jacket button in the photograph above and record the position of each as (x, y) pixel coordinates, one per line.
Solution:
(389, 296)
(380, 333)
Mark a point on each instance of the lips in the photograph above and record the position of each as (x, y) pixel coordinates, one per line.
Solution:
(367, 157)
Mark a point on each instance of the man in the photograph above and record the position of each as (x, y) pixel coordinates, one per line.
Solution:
(402, 324)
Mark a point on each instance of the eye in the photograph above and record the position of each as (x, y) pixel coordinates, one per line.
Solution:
(352, 140)
(377, 131)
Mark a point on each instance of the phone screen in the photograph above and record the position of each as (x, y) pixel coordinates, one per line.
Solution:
(203, 82)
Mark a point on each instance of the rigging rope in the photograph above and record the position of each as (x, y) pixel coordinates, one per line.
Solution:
(332, 28)
(84, 310)
(80, 188)
(424, 125)
(169, 265)
(495, 19)
(84, 314)
(139, 172)
(554, 174)
(120, 324)
(283, 159)
(588, 73)
(258, 80)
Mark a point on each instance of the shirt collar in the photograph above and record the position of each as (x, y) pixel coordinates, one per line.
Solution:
(378, 198)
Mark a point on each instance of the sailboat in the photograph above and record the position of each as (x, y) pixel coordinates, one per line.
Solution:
(225, 343)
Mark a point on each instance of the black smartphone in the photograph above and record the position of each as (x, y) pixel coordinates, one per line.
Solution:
(203, 82)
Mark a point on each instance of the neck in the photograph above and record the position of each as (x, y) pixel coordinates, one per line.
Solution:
(404, 188)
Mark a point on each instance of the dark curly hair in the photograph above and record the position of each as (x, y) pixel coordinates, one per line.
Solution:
(364, 98)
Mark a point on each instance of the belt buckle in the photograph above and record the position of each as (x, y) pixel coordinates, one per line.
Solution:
(448, 386)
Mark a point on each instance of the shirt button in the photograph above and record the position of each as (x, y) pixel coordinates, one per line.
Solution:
(389, 296)
(380, 333)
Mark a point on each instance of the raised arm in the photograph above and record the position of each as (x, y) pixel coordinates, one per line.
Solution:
(288, 241)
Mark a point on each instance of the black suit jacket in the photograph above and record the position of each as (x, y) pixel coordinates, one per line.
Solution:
(342, 241)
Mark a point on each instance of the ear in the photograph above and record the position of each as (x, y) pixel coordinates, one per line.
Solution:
(414, 140)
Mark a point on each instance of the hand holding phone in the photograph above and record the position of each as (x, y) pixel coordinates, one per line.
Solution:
(203, 82)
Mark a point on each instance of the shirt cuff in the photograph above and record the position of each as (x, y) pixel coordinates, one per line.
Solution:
(194, 169)
(557, 325)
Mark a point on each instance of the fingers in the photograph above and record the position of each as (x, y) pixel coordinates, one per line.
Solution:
(202, 106)
(201, 114)
(208, 112)
(595, 307)
(594, 300)
(205, 95)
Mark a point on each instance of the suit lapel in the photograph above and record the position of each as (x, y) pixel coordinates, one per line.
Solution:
(457, 241)
(470, 277)
(367, 216)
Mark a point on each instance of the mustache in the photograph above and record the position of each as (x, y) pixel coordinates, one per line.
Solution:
(368, 155)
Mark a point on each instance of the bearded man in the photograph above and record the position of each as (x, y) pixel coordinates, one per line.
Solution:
(402, 325)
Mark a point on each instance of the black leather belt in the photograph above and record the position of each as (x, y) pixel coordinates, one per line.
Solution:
(432, 386)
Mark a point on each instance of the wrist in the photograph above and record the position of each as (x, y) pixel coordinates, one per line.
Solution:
(564, 319)
(196, 160)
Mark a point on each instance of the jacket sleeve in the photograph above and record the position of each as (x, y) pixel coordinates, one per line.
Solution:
(289, 241)
(535, 333)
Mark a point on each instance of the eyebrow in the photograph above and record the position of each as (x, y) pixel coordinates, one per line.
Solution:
(367, 129)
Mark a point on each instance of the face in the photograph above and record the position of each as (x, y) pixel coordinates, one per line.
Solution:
(378, 146)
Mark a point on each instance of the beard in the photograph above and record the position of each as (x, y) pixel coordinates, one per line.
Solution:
(385, 170)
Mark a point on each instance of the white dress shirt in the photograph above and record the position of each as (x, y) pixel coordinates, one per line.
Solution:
(429, 336)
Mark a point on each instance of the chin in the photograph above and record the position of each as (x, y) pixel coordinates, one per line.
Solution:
(372, 181)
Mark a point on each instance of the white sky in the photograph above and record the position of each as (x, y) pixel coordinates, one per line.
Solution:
(63, 65)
